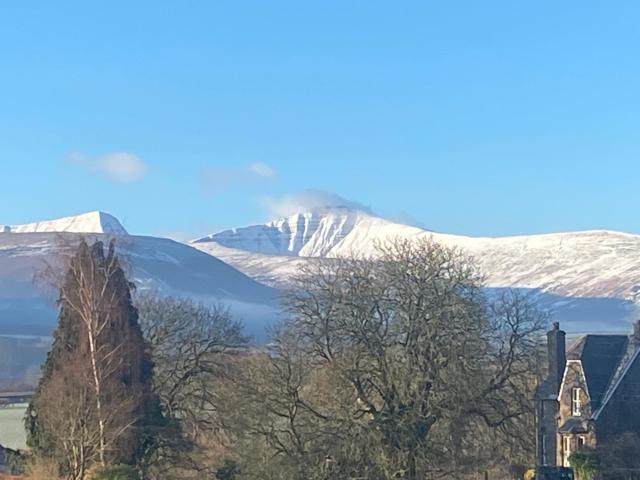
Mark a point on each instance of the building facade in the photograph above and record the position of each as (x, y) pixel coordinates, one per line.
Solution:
(595, 399)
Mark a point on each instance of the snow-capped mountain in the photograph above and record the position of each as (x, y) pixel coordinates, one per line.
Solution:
(309, 234)
(91, 222)
(598, 269)
(170, 268)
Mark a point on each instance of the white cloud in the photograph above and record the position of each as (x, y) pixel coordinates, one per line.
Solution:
(216, 179)
(307, 200)
(262, 170)
(120, 167)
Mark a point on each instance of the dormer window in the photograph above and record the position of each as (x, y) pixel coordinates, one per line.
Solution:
(575, 402)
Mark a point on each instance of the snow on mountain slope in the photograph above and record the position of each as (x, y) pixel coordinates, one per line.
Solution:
(91, 222)
(580, 264)
(587, 264)
(581, 274)
(308, 234)
(27, 307)
(274, 270)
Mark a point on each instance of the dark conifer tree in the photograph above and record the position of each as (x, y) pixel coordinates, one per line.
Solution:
(94, 403)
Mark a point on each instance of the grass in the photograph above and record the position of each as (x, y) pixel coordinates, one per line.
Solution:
(12, 432)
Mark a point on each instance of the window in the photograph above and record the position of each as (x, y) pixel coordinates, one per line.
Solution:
(581, 441)
(575, 402)
(566, 450)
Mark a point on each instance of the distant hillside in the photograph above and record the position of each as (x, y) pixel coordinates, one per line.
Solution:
(27, 304)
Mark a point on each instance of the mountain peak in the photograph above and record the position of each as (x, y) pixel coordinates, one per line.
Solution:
(312, 232)
(90, 222)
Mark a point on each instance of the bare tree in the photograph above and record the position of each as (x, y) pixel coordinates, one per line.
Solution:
(283, 413)
(92, 294)
(66, 409)
(190, 345)
(423, 365)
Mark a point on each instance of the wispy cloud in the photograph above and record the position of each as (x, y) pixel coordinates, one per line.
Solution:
(216, 179)
(262, 170)
(122, 167)
(307, 200)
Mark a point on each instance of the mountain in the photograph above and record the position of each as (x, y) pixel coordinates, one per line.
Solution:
(91, 222)
(309, 234)
(161, 265)
(590, 279)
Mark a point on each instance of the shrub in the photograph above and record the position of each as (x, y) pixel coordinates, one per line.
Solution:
(39, 468)
(16, 461)
(115, 472)
(585, 465)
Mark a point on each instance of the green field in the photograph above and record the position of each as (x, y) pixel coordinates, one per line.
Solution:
(12, 433)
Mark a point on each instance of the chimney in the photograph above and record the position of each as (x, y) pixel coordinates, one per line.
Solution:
(556, 355)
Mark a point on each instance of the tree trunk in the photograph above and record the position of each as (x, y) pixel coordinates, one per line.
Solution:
(412, 469)
(98, 390)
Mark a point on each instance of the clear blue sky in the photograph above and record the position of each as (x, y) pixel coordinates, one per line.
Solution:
(180, 118)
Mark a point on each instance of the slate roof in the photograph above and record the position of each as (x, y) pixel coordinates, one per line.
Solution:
(573, 425)
(600, 356)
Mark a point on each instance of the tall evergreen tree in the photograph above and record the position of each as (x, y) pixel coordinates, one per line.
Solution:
(94, 403)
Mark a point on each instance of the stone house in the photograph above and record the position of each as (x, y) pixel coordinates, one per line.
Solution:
(591, 394)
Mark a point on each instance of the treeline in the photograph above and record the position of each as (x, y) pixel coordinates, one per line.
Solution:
(398, 367)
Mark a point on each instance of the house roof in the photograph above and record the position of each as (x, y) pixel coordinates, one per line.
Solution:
(600, 356)
(573, 425)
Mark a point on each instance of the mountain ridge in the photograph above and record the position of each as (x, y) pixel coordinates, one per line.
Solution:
(159, 265)
(591, 263)
(90, 222)
(601, 267)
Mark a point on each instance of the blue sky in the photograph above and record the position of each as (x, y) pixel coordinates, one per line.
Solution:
(182, 118)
